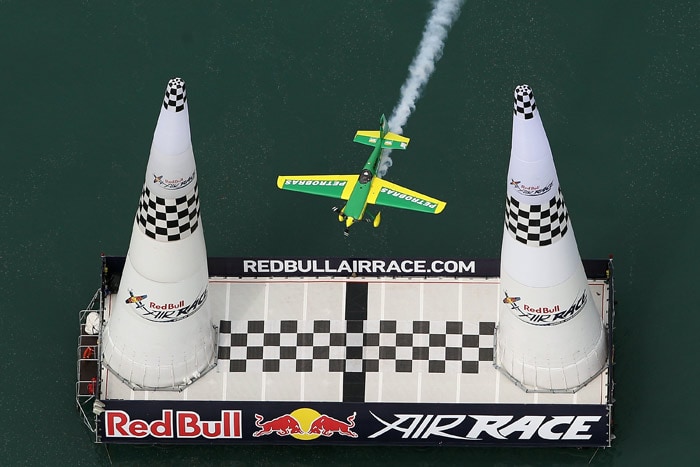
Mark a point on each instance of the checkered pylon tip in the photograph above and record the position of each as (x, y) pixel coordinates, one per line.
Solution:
(524, 101)
(168, 219)
(175, 95)
(537, 224)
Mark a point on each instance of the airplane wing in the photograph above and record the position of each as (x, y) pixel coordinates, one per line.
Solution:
(384, 193)
(333, 186)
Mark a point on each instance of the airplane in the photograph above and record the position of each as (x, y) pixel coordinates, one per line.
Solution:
(136, 299)
(511, 301)
(367, 187)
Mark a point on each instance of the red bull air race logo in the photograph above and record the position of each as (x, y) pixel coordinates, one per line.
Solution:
(530, 190)
(173, 184)
(393, 423)
(476, 428)
(187, 425)
(545, 315)
(165, 312)
(305, 424)
(181, 424)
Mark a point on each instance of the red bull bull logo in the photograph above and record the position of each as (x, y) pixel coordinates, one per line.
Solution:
(305, 424)
(327, 426)
(283, 426)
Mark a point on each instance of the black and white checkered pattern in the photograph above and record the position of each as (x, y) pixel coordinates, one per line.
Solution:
(524, 101)
(537, 224)
(168, 219)
(175, 95)
(355, 346)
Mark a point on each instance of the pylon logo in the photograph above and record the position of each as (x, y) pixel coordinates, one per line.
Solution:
(305, 424)
(550, 315)
(173, 184)
(136, 299)
(530, 190)
(511, 301)
(165, 312)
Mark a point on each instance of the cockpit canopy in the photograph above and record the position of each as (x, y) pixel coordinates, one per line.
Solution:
(365, 176)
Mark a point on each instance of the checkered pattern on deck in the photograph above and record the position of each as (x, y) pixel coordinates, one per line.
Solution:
(524, 101)
(355, 346)
(537, 224)
(175, 95)
(168, 219)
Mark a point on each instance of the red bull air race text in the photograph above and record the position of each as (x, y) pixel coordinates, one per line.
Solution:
(368, 423)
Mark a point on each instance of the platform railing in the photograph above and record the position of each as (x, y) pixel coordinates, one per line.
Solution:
(610, 277)
(87, 386)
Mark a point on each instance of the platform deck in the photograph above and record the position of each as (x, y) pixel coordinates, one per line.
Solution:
(360, 339)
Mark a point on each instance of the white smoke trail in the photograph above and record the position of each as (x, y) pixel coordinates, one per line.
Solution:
(444, 13)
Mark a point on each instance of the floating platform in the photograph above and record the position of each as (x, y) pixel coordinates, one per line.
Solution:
(348, 351)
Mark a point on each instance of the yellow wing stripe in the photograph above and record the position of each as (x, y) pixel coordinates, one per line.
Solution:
(389, 136)
(398, 138)
(379, 184)
(367, 133)
(313, 183)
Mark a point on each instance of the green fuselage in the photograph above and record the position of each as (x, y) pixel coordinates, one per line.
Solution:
(355, 207)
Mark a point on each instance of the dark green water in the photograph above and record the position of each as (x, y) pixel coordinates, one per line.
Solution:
(280, 87)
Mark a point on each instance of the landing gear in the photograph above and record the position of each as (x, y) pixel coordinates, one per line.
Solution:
(377, 220)
(341, 216)
(372, 219)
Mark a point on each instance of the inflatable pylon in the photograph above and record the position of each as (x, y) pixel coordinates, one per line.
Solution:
(159, 334)
(550, 333)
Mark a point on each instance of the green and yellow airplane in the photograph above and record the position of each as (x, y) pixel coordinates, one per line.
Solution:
(365, 188)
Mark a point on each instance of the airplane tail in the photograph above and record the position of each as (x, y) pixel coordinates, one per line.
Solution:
(389, 140)
(383, 126)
